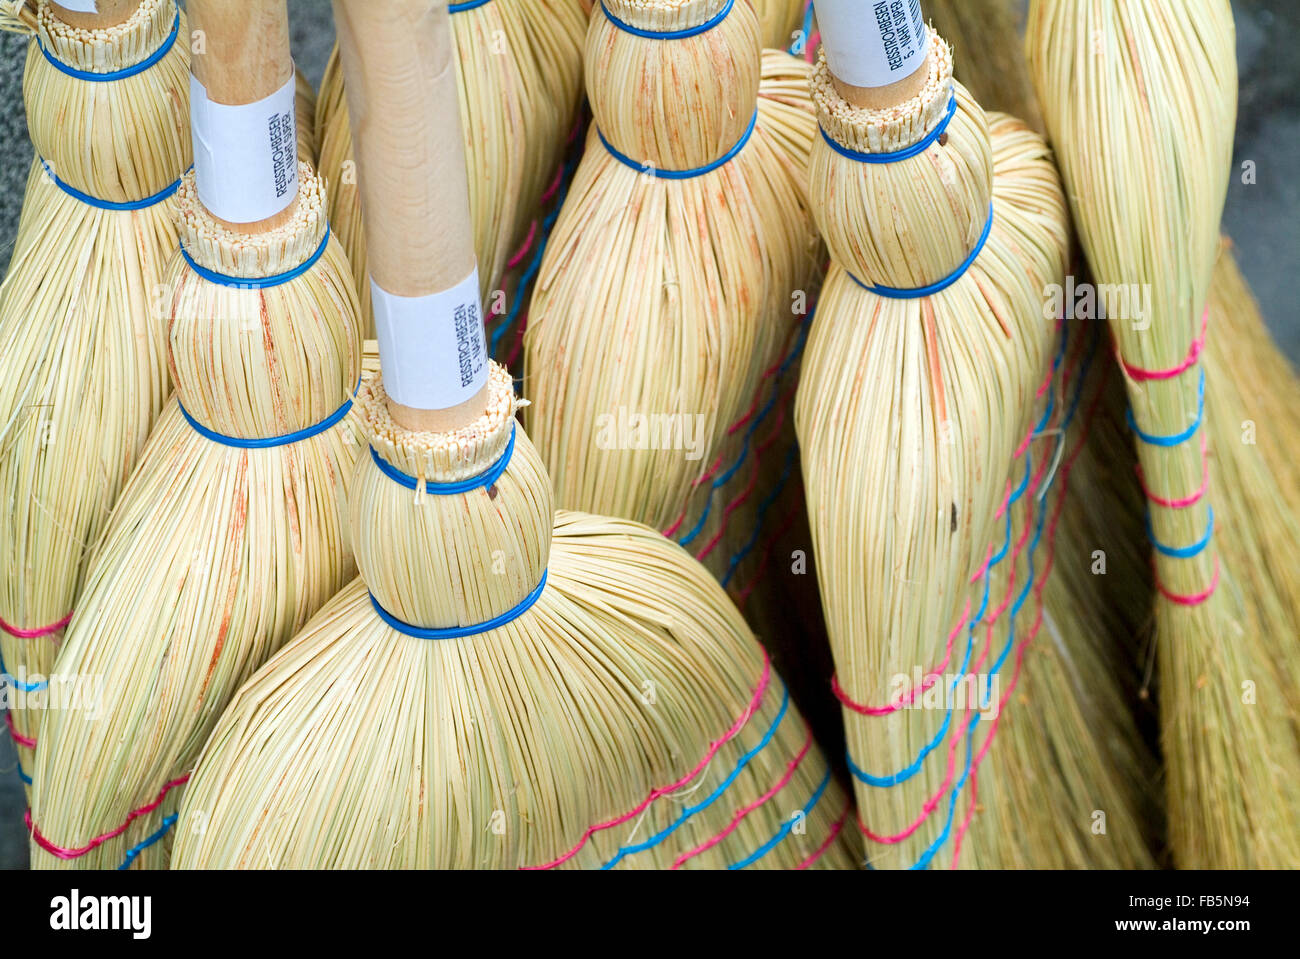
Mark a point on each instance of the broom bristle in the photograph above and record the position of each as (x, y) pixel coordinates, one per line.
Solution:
(82, 371)
(216, 554)
(520, 69)
(686, 335)
(908, 416)
(1152, 134)
(556, 738)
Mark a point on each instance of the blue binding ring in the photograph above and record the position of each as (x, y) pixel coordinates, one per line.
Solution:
(89, 200)
(1182, 552)
(894, 293)
(460, 632)
(486, 478)
(125, 72)
(704, 27)
(268, 442)
(681, 174)
(916, 149)
(467, 5)
(1177, 439)
(257, 282)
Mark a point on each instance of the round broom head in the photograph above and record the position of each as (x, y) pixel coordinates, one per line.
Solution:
(717, 260)
(520, 69)
(908, 414)
(83, 366)
(216, 554)
(361, 746)
(1153, 134)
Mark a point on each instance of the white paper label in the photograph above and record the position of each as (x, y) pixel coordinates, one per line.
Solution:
(78, 6)
(873, 43)
(431, 348)
(245, 156)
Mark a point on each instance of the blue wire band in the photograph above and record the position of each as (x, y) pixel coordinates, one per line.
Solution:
(788, 825)
(468, 5)
(268, 442)
(27, 780)
(257, 282)
(704, 27)
(1182, 552)
(8, 677)
(690, 811)
(141, 846)
(461, 632)
(916, 149)
(893, 293)
(125, 72)
(486, 478)
(1180, 438)
(681, 174)
(163, 194)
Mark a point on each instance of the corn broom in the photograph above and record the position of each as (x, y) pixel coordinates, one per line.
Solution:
(921, 371)
(1147, 94)
(541, 697)
(232, 530)
(520, 69)
(82, 364)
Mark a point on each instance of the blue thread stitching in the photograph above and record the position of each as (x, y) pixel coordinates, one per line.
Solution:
(141, 846)
(1179, 438)
(461, 632)
(894, 293)
(784, 831)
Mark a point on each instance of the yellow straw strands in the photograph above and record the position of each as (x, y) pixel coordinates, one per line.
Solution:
(618, 713)
(520, 68)
(684, 248)
(232, 532)
(1140, 100)
(83, 372)
(918, 386)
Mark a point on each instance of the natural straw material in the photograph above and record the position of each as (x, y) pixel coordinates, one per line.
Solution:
(82, 371)
(910, 410)
(718, 260)
(520, 69)
(499, 750)
(1140, 99)
(216, 554)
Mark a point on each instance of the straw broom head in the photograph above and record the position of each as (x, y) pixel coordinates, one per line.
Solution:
(83, 364)
(219, 550)
(520, 69)
(1152, 135)
(688, 329)
(910, 410)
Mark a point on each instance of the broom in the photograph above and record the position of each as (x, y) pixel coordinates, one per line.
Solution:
(1147, 94)
(918, 385)
(232, 530)
(520, 69)
(667, 286)
(590, 699)
(82, 369)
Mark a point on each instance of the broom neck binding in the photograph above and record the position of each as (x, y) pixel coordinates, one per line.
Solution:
(917, 293)
(483, 480)
(462, 632)
(109, 53)
(123, 207)
(652, 170)
(670, 23)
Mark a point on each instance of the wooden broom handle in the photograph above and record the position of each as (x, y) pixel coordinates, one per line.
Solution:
(402, 96)
(109, 13)
(245, 58)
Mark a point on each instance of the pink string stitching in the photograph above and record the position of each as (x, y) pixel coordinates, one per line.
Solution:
(63, 853)
(35, 633)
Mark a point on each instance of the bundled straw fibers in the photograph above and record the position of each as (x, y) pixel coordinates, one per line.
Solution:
(910, 410)
(520, 69)
(82, 368)
(1140, 99)
(670, 279)
(217, 552)
(625, 717)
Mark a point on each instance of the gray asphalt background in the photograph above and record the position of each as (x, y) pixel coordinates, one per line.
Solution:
(1261, 219)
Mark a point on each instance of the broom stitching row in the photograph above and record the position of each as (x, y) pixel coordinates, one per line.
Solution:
(462, 632)
(268, 442)
(668, 34)
(657, 173)
(730, 734)
(18, 737)
(830, 837)
(123, 73)
(63, 853)
(487, 478)
(167, 823)
(122, 207)
(258, 282)
(897, 156)
(32, 633)
(787, 826)
(713, 797)
(920, 293)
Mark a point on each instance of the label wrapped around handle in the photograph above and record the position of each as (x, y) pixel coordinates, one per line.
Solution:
(245, 155)
(79, 6)
(874, 43)
(432, 348)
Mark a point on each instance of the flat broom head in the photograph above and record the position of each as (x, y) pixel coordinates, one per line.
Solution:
(699, 188)
(82, 372)
(911, 407)
(1140, 100)
(554, 739)
(218, 553)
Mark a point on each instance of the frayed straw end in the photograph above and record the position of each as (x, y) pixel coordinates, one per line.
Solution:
(18, 16)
